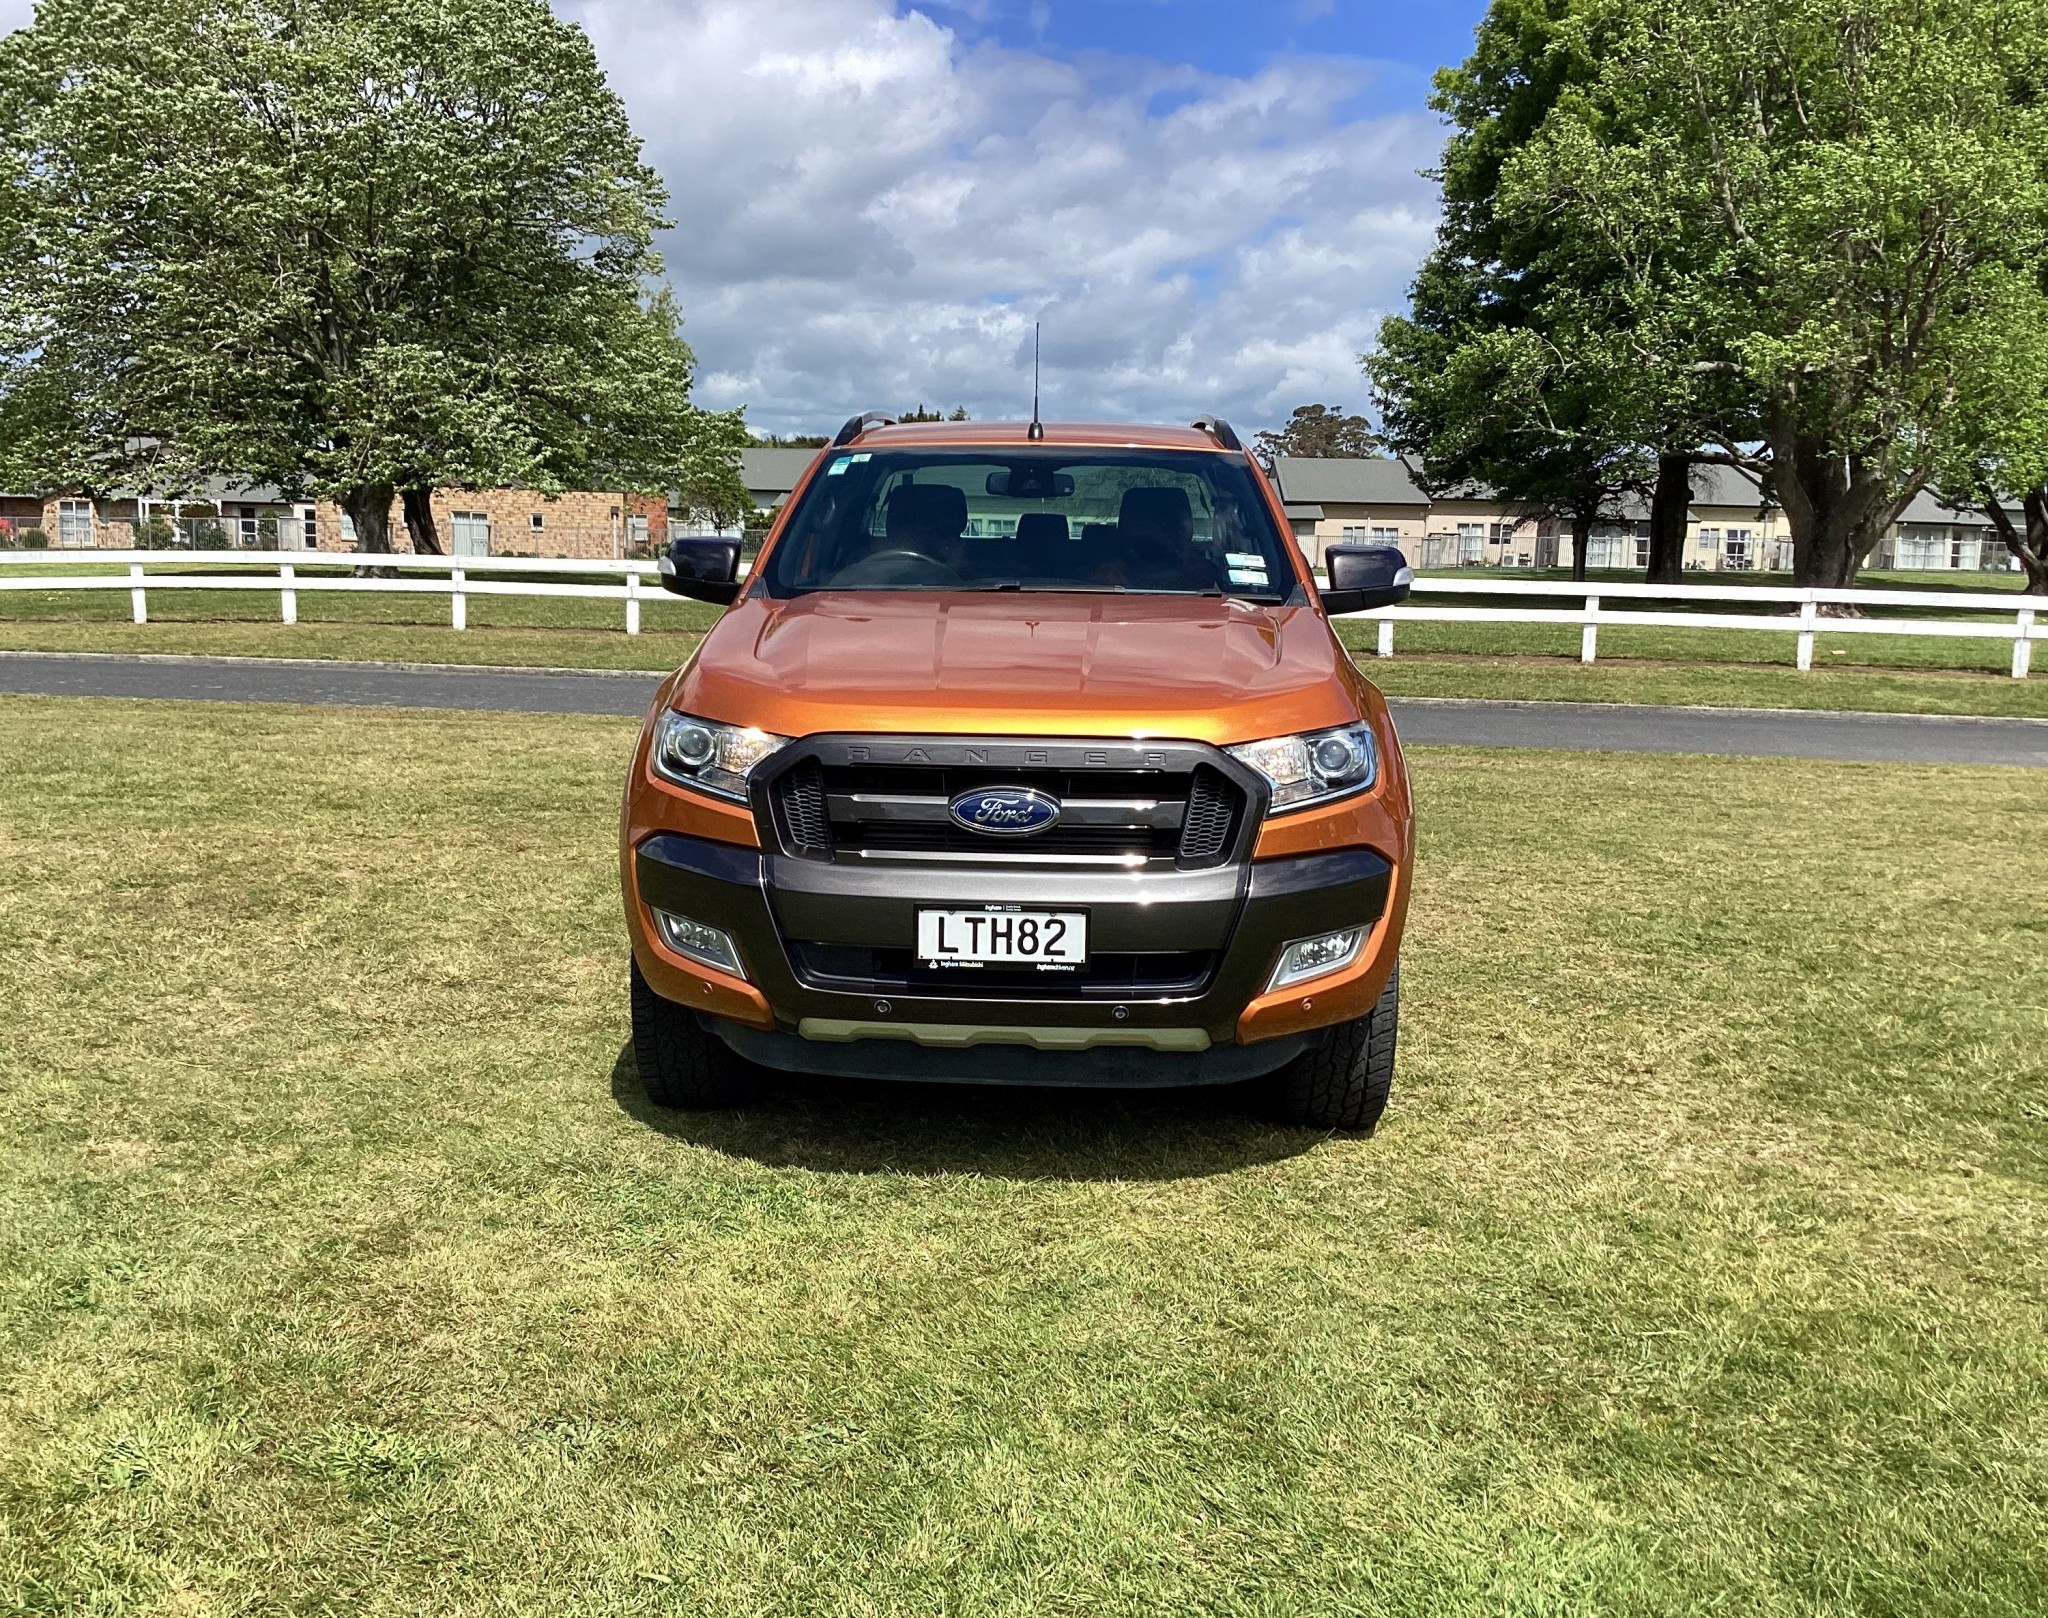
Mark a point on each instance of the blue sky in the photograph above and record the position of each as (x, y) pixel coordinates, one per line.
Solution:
(1224, 37)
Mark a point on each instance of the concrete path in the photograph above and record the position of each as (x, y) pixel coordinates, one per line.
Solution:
(1597, 727)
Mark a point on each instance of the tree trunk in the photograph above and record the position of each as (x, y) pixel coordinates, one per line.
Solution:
(369, 507)
(1582, 542)
(1670, 511)
(2031, 548)
(419, 521)
(1836, 505)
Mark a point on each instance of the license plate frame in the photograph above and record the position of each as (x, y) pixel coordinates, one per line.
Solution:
(967, 938)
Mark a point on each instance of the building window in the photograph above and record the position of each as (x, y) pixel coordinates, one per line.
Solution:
(469, 533)
(636, 530)
(74, 523)
(1922, 549)
(1386, 536)
(537, 521)
(1735, 550)
(1471, 544)
(1353, 536)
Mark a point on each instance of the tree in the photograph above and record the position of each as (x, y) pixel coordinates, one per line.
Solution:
(354, 248)
(1317, 432)
(1516, 368)
(2001, 464)
(1828, 205)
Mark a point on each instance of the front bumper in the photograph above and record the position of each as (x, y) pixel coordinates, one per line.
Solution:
(785, 914)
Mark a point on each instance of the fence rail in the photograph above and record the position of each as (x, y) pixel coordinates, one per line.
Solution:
(460, 577)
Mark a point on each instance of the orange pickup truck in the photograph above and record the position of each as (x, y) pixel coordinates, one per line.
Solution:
(1024, 754)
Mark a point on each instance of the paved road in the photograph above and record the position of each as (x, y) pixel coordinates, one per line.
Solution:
(1599, 727)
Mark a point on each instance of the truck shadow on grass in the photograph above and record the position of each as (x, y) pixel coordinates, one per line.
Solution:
(841, 1126)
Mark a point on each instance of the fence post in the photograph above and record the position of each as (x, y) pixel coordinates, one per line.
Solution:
(1386, 637)
(138, 602)
(2023, 644)
(287, 598)
(1809, 610)
(1589, 637)
(458, 602)
(633, 602)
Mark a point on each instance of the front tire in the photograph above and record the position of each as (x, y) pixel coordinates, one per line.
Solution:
(683, 1065)
(1343, 1083)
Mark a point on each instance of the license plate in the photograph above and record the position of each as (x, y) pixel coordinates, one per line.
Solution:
(1048, 938)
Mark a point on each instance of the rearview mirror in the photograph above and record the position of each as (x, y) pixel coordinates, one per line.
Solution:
(706, 569)
(1363, 577)
(1029, 482)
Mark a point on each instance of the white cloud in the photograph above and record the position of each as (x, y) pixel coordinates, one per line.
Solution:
(871, 213)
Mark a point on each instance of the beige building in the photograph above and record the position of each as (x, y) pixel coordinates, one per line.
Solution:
(1731, 527)
(224, 516)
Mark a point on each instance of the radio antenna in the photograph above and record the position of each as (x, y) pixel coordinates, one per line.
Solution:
(1037, 429)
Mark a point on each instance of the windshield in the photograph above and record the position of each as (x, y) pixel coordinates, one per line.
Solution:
(1150, 522)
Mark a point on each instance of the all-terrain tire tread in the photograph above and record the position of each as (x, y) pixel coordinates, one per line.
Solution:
(682, 1064)
(1344, 1082)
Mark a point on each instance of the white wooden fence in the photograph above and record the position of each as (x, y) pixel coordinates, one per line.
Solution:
(1777, 609)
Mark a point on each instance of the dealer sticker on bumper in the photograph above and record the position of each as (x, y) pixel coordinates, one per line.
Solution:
(1008, 937)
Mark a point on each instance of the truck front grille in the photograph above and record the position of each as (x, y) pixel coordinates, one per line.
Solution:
(829, 809)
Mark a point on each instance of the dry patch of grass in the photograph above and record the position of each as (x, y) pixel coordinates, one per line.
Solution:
(1700, 1263)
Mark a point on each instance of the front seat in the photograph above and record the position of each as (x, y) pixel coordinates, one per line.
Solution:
(927, 517)
(1155, 542)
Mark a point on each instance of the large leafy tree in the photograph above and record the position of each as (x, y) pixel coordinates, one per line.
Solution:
(1508, 372)
(360, 248)
(1830, 207)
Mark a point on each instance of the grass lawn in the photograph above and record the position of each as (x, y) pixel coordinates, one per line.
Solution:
(1701, 1264)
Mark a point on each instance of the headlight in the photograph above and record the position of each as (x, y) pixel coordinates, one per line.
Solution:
(709, 756)
(1310, 769)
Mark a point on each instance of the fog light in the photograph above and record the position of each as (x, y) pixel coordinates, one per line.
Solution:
(1307, 958)
(708, 946)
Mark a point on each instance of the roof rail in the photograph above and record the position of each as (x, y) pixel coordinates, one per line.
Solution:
(1219, 429)
(860, 424)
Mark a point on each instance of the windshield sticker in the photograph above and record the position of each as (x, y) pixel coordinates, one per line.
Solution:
(838, 466)
(864, 455)
(1248, 575)
(1250, 559)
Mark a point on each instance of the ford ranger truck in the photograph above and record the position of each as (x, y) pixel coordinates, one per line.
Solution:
(1024, 754)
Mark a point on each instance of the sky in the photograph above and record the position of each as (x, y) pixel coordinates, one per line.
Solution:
(1207, 205)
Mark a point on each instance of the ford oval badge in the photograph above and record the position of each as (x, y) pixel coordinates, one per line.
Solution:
(1005, 811)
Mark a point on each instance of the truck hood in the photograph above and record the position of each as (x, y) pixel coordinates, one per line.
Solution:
(1201, 668)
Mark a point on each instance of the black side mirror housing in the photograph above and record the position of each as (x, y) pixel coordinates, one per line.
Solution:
(705, 569)
(1363, 577)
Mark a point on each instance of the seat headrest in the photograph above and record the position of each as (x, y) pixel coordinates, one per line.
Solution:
(932, 510)
(1042, 528)
(1156, 514)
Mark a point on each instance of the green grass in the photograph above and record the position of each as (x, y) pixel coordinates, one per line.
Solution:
(1701, 1264)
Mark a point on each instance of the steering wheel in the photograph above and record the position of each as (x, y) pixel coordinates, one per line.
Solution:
(902, 566)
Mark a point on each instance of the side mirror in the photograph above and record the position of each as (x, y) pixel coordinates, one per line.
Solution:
(706, 569)
(1363, 577)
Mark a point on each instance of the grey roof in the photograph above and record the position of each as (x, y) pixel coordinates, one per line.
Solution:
(1362, 481)
(1725, 486)
(1925, 508)
(770, 474)
(1305, 513)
